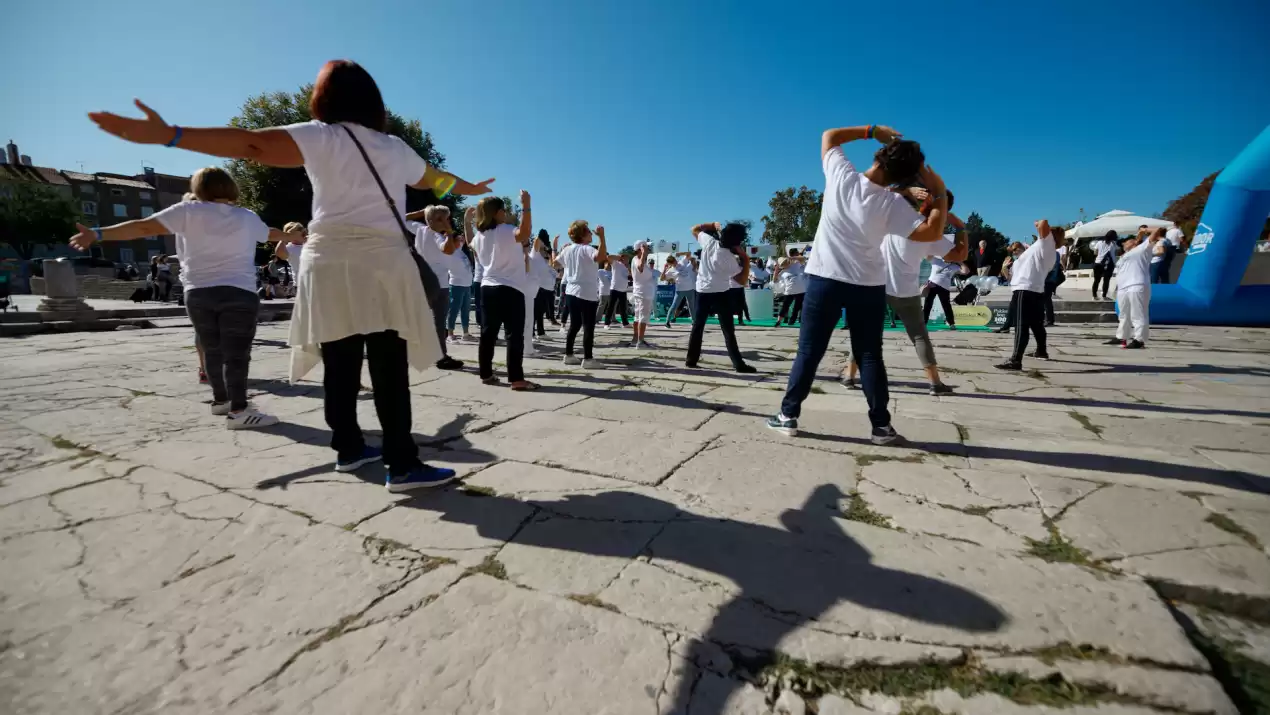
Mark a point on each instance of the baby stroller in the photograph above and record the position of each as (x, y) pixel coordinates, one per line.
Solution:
(975, 289)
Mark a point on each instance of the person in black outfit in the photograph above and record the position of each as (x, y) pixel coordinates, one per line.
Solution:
(1105, 261)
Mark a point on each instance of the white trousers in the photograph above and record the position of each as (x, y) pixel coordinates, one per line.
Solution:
(529, 320)
(1135, 321)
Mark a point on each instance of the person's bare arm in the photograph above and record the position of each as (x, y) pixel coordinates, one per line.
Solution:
(954, 221)
(601, 251)
(450, 244)
(713, 227)
(126, 231)
(526, 228)
(961, 249)
(469, 221)
(837, 137)
(432, 176)
(932, 229)
(1043, 229)
(744, 276)
(272, 147)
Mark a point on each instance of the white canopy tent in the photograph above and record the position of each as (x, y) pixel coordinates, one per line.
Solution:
(1122, 222)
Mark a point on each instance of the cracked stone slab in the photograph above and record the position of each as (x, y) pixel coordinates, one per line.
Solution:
(1191, 692)
(1208, 435)
(960, 489)
(579, 495)
(649, 407)
(992, 704)
(1057, 493)
(881, 584)
(633, 452)
(482, 647)
(52, 478)
(533, 436)
(29, 516)
(573, 556)
(1116, 522)
(450, 524)
(845, 432)
(911, 514)
(466, 387)
(1234, 577)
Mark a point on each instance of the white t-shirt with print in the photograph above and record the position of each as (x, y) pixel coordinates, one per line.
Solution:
(903, 258)
(344, 191)
(857, 214)
(1029, 270)
(605, 280)
(716, 267)
(581, 273)
(429, 244)
(685, 277)
(460, 270)
(215, 242)
(502, 256)
(758, 275)
(1133, 272)
(644, 283)
(621, 274)
(793, 280)
(943, 273)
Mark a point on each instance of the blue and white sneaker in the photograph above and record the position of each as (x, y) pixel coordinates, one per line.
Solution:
(421, 477)
(369, 454)
(784, 425)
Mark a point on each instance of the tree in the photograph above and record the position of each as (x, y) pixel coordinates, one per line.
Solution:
(513, 209)
(1186, 210)
(794, 216)
(282, 195)
(33, 215)
(978, 230)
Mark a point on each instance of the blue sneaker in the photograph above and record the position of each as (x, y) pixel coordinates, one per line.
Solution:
(784, 425)
(421, 477)
(369, 454)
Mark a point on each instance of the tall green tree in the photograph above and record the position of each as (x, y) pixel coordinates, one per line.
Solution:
(793, 215)
(979, 230)
(33, 215)
(282, 195)
(513, 209)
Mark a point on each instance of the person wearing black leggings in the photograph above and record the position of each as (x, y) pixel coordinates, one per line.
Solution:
(717, 271)
(617, 296)
(1027, 281)
(581, 265)
(940, 286)
(1105, 261)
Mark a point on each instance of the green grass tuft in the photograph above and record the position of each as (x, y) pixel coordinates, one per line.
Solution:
(491, 566)
(476, 490)
(859, 510)
(1225, 523)
(865, 460)
(1084, 422)
(590, 599)
(1057, 549)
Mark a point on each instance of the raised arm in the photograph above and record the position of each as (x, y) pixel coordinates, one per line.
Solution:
(837, 137)
(469, 220)
(601, 251)
(434, 177)
(714, 227)
(272, 147)
(961, 249)
(744, 276)
(126, 231)
(526, 228)
(1043, 228)
(932, 229)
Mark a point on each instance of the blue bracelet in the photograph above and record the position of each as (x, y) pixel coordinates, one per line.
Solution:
(175, 139)
(98, 232)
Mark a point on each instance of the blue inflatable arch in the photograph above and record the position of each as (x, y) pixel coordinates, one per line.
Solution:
(1208, 292)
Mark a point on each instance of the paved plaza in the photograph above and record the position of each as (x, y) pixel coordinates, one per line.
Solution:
(1089, 535)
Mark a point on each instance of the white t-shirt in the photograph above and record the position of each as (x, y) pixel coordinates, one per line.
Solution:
(857, 214)
(460, 270)
(684, 275)
(620, 275)
(645, 281)
(758, 275)
(903, 259)
(543, 272)
(478, 271)
(793, 279)
(502, 256)
(215, 242)
(771, 265)
(582, 276)
(428, 243)
(1105, 249)
(605, 277)
(1029, 270)
(1134, 270)
(942, 272)
(716, 267)
(344, 191)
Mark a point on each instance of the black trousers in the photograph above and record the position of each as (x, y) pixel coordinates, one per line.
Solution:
(739, 308)
(1029, 307)
(720, 304)
(476, 301)
(581, 317)
(1103, 272)
(503, 307)
(543, 303)
(440, 305)
(390, 379)
(224, 320)
(791, 300)
(617, 305)
(1049, 302)
(945, 301)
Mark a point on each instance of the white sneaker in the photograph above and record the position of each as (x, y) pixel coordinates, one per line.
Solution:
(572, 360)
(564, 330)
(249, 418)
(220, 409)
(532, 353)
(606, 327)
(592, 364)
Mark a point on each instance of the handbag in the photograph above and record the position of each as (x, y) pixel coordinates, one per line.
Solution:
(431, 285)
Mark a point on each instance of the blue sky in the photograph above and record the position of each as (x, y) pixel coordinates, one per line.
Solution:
(650, 117)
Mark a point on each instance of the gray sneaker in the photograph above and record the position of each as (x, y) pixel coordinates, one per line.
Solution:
(572, 360)
(647, 345)
(883, 436)
(592, 364)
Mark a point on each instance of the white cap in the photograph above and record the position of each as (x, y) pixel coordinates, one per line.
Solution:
(639, 243)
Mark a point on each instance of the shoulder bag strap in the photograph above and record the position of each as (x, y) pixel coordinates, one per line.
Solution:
(392, 205)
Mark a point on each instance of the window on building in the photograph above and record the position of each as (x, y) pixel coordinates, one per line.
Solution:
(121, 211)
(145, 195)
(125, 255)
(116, 192)
(146, 211)
(87, 190)
(88, 207)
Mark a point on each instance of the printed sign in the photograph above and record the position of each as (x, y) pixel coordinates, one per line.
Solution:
(1203, 237)
(975, 315)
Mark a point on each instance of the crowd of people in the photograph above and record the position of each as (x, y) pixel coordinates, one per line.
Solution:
(389, 288)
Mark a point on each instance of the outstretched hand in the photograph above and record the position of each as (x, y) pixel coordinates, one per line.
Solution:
(481, 187)
(85, 238)
(886, 135)
(151, 130)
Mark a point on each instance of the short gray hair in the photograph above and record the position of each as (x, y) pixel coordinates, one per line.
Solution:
(436, 211)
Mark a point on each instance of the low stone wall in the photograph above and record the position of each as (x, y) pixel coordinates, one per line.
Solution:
(92, 286)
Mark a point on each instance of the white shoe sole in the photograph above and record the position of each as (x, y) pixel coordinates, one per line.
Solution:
(354, 466)
(787, 431)
(220, 410)
(411, 486)
(886, 441)
(258, 423)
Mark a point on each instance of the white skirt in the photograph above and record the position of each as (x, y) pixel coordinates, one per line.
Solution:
(359, 281)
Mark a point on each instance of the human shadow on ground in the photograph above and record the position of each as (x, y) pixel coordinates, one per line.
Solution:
(786, 579)
(1097, 463)
(1191, 369)
(1141, 406)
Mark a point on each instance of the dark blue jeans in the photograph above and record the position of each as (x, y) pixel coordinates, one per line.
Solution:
(865, 308)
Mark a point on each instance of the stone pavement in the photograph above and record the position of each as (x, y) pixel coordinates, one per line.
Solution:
(1089, 534)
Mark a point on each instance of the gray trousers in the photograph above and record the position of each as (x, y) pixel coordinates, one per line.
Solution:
(909, 311)
(224, 321)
